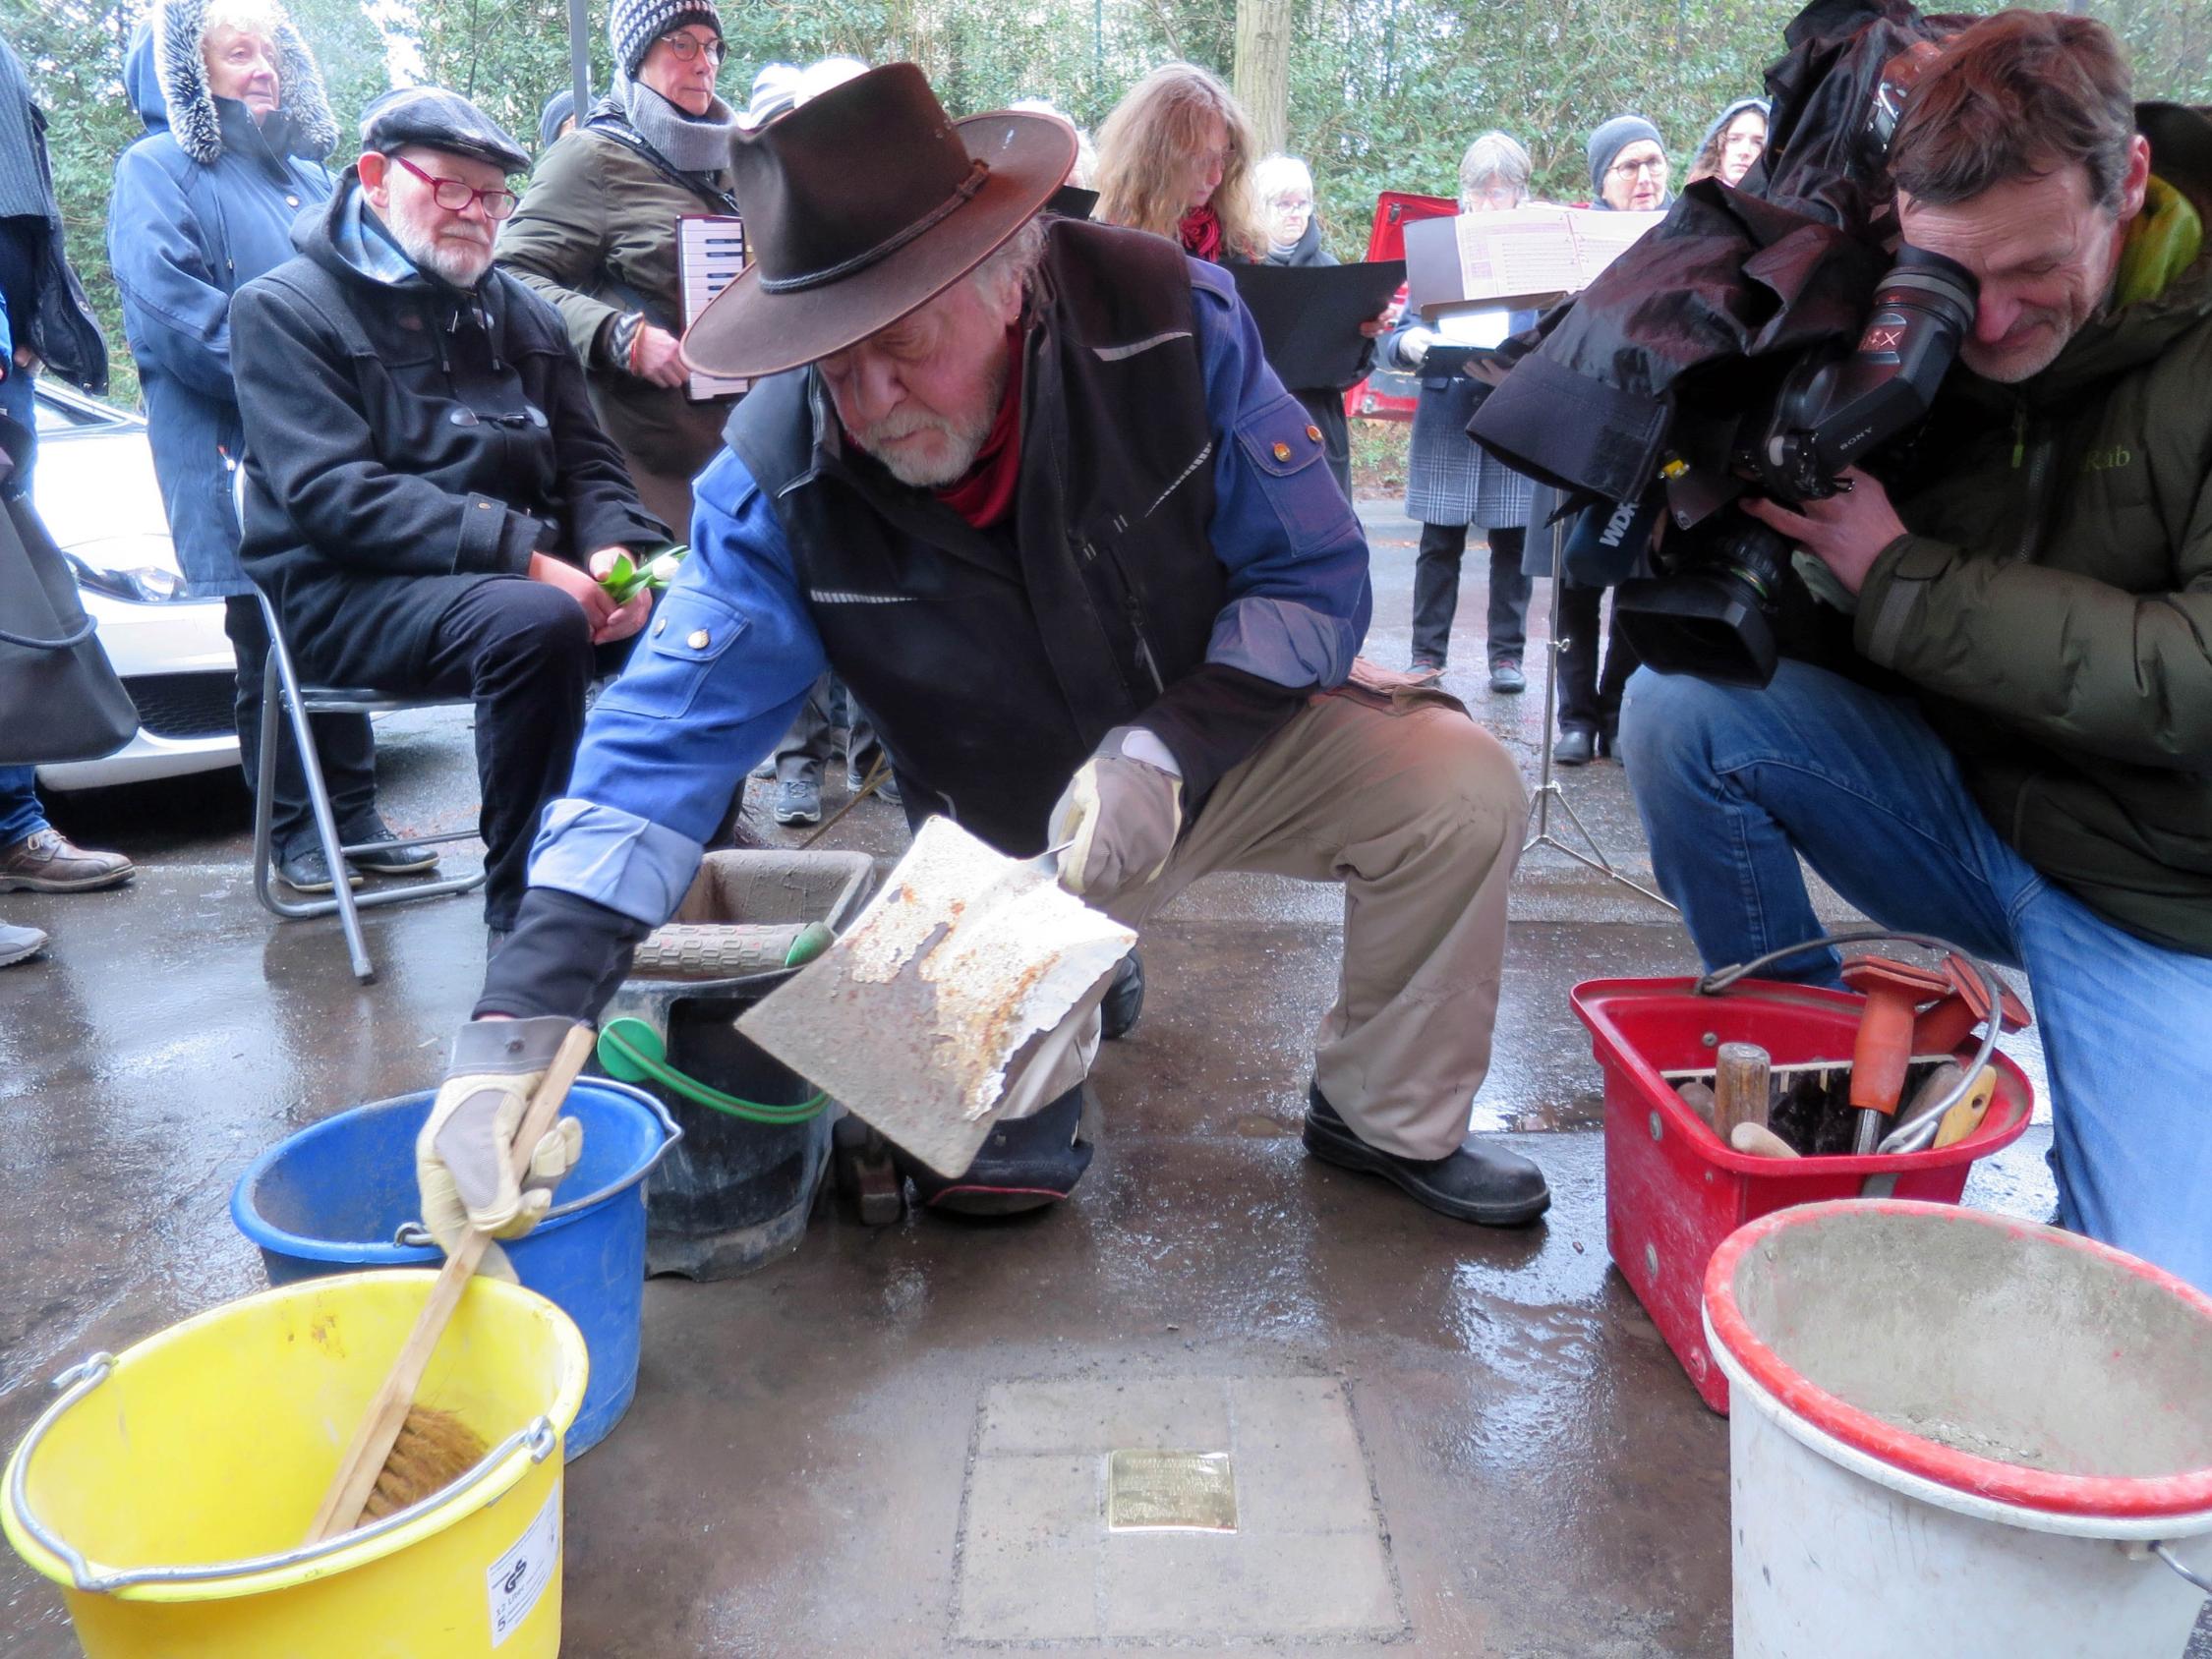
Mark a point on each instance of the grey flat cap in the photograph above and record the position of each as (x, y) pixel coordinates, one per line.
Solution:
(436, 119)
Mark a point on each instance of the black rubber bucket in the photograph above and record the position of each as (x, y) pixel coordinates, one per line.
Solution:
(735, 1194)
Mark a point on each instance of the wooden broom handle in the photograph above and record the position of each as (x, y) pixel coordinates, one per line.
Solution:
(371, 1443)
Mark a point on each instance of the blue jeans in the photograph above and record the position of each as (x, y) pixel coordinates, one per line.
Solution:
(19, 805)
(1734, 783)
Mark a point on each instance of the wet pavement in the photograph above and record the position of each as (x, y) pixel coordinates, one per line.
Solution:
(1454, 1441)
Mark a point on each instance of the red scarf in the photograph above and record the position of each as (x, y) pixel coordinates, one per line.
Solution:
(986, 494)
(1200, 230)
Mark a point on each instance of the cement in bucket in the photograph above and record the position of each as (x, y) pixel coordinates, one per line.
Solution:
(1961, 1435)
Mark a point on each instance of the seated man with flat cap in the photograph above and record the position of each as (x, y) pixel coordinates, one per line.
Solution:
(1029, 486)
(428, 495)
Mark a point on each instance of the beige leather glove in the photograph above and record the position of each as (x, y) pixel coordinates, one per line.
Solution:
(1119, 815)
(461, 1155)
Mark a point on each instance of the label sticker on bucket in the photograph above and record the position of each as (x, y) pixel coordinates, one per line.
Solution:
(519, 1578)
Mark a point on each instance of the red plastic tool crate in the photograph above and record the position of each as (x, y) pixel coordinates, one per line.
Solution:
(1673, 1191)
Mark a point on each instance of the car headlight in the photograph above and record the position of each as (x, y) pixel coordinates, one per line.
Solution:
(139, 584)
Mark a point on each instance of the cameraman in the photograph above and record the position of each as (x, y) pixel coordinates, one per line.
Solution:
(2019, 755)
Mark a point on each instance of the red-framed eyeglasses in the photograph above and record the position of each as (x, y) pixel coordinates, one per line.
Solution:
(454, 196)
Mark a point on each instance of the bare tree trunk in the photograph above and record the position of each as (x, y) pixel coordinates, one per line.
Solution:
(1262, 71)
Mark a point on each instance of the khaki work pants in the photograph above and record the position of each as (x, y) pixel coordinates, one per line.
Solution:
(1418, 813)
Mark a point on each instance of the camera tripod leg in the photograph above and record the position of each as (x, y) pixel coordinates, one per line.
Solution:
(1547, 787)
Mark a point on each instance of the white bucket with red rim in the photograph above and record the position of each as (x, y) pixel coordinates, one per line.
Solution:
(1958, 1434)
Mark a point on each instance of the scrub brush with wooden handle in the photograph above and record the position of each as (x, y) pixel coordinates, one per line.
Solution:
(402, 1453)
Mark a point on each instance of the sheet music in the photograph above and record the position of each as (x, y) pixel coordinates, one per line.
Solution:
(710, 253)
(1535, 251)
(1522, 251)
(1603, 238)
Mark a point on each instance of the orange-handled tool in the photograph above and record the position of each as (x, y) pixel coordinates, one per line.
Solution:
(1883, 1049)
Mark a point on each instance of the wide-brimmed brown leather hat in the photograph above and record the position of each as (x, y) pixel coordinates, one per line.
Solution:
(861, 206)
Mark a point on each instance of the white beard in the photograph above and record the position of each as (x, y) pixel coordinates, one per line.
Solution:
(452, 259)
(921, 472)
(965, 440)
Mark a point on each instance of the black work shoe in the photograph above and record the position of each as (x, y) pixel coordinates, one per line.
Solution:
(799, 802)
(1024, 1164)
(383, 853)
(1479, 1182)
(308, 871)
(1506, 676)
(1125, 998)
(1577, 748)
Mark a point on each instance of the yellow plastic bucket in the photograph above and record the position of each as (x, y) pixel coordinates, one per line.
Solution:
(167, 1490)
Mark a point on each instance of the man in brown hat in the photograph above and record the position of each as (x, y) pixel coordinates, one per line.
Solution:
(1029, 486)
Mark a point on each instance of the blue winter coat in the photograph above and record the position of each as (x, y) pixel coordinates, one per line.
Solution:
(199, 209)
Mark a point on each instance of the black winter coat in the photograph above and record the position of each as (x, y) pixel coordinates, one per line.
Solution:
(403, 429)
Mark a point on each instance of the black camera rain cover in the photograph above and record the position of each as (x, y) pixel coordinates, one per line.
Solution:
(1729, 277)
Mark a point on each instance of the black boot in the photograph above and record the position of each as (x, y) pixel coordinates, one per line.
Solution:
(1576, 747)
(1479, 1182)
(1125, 998)
(1026, 1164)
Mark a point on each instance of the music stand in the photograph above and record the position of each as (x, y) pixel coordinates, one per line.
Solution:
(1547, 787)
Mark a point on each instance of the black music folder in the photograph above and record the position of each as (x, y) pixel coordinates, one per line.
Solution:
(1309, 316)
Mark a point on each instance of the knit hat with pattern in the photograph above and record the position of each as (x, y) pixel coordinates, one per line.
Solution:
(632, 25)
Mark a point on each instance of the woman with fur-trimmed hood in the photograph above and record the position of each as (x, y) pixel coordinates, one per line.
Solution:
(237, 128)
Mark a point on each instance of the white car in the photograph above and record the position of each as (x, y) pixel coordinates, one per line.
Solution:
(95, 489)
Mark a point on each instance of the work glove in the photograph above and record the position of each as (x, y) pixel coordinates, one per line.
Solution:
(1414, 344)
(1117, 821)
(462, 1155)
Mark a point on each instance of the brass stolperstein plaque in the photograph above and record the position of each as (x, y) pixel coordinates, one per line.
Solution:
(1184, 1491)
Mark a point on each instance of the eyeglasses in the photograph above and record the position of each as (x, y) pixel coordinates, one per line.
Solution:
(1650, 164)
(454, 196)
(688, 46)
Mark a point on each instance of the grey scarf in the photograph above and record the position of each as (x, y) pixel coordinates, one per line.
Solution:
(690, 144)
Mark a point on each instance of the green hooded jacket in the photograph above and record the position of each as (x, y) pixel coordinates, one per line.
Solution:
(2052, 601)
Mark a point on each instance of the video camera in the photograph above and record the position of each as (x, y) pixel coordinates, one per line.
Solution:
(1759, 341)
(1710, 610)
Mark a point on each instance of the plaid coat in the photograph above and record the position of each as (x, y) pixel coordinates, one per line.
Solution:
(1448, 479)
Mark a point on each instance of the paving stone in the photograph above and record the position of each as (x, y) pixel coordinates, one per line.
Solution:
(1049, 1496)
(1179, 1415)
(1028, 1590)
(1298, 1464)
(1197, 1585)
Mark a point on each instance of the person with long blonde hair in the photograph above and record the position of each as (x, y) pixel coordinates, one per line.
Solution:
(1175, 158)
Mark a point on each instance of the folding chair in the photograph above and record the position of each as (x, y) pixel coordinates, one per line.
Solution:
(281, 687)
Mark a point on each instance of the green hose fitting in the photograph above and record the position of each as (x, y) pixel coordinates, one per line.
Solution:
(814, 938)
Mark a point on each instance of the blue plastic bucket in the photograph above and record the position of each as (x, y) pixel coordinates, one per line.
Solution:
(335, 1198)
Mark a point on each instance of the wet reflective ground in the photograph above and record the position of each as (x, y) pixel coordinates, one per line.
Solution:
(794, 1476)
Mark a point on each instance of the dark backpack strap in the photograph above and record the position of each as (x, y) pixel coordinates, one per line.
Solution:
(611, 127)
